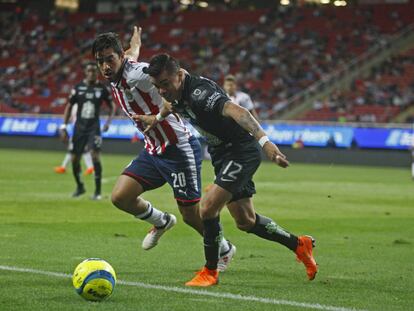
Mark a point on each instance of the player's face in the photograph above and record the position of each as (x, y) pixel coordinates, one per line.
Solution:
(169, 85)
(230, 87)
(91, 73)
(109, 63)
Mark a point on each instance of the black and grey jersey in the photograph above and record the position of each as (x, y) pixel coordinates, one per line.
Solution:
(201, 105)
(89, 99)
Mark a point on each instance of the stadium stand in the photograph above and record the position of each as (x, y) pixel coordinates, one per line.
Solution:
(275, 52)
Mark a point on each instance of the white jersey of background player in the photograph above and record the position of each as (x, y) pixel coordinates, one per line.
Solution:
(87, 158)
(241, 98)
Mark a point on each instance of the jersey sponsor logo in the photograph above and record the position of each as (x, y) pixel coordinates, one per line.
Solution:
(89, 95)
(211, 101)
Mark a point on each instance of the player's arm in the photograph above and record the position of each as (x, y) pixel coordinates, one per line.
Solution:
(134, 45)
(63, 133)
(254, 114)
(152, 120)
(244, 118)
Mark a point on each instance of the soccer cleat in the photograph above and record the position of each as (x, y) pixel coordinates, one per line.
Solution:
(59, 170)
(88, 171)
(96, 197)
(204, 278)
(225, 259)
(306, 244)
(152, 237)
(79, 191)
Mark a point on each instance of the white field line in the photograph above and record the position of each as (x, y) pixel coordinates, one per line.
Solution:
(315, 306)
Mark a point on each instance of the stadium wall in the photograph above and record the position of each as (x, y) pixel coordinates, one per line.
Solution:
(331, 156)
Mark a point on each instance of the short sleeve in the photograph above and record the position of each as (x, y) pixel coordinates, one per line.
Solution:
(73, 97)
(247, 102)
(136, 77)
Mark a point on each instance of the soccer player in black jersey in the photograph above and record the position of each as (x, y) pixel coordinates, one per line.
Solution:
(233, 137)
(89, 95)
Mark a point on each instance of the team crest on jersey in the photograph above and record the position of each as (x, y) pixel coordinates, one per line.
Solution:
(98, 93)
(198, 94)
(129, 95)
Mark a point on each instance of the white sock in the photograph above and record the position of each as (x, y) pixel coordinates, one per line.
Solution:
(153, 216)
(224, 246)
(412, 169)
(66, 160)
(87, 158)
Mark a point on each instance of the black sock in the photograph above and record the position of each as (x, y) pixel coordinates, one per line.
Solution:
(269, 230)
(212, 235)
(97, 166)
(76, 169)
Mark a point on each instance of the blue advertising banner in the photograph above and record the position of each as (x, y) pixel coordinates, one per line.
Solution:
(48, 126)
(310, 135)
(279, 133)
(390, 138)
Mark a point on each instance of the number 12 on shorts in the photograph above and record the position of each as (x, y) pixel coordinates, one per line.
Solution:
(230, 171)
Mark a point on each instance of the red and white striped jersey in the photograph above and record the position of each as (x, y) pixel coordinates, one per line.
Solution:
(135, 94)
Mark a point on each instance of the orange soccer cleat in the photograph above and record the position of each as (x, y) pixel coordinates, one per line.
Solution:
(88, 171)
(304, 254)
(59, 170)
(204, 278)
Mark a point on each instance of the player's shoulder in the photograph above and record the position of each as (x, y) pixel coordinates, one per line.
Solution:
(201, 88)
(242, 94)
(133, 68)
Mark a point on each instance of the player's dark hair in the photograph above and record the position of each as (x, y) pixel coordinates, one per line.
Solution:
(105, 41)
(230, 78)
(161, 62)
(89, 63)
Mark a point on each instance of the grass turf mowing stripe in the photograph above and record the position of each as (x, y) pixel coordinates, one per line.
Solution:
(195, 292)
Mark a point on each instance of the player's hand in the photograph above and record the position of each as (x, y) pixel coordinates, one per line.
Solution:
(105, 127)
(149, 121)
(136, 38)
(274, 154)
(134, 45)
(63, 135)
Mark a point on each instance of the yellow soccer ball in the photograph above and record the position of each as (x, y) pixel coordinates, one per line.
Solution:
(94, 279)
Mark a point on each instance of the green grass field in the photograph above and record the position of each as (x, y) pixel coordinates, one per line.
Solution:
(362, 219)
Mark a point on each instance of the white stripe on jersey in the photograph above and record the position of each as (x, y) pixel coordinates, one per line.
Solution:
(186, 148)
(136, 95)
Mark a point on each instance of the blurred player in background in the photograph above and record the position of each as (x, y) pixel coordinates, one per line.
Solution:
(238, 97)
(89, 95)
(87, 157)
(171, 154)
(233, 136)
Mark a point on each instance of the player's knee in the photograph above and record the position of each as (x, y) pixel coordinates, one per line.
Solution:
(119, 199)
(245, 224)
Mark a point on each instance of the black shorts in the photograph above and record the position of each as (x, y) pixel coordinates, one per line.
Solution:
(235, 166)
(85, 141)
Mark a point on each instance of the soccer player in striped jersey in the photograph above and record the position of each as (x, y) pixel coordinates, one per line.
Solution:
(171, 154)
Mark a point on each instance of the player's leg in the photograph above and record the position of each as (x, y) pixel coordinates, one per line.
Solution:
(68, 157)
(139, 176)
(181, 168)
(212, 203)
(79, 143)
(87, 158)
(249, 221)
(94, 144)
